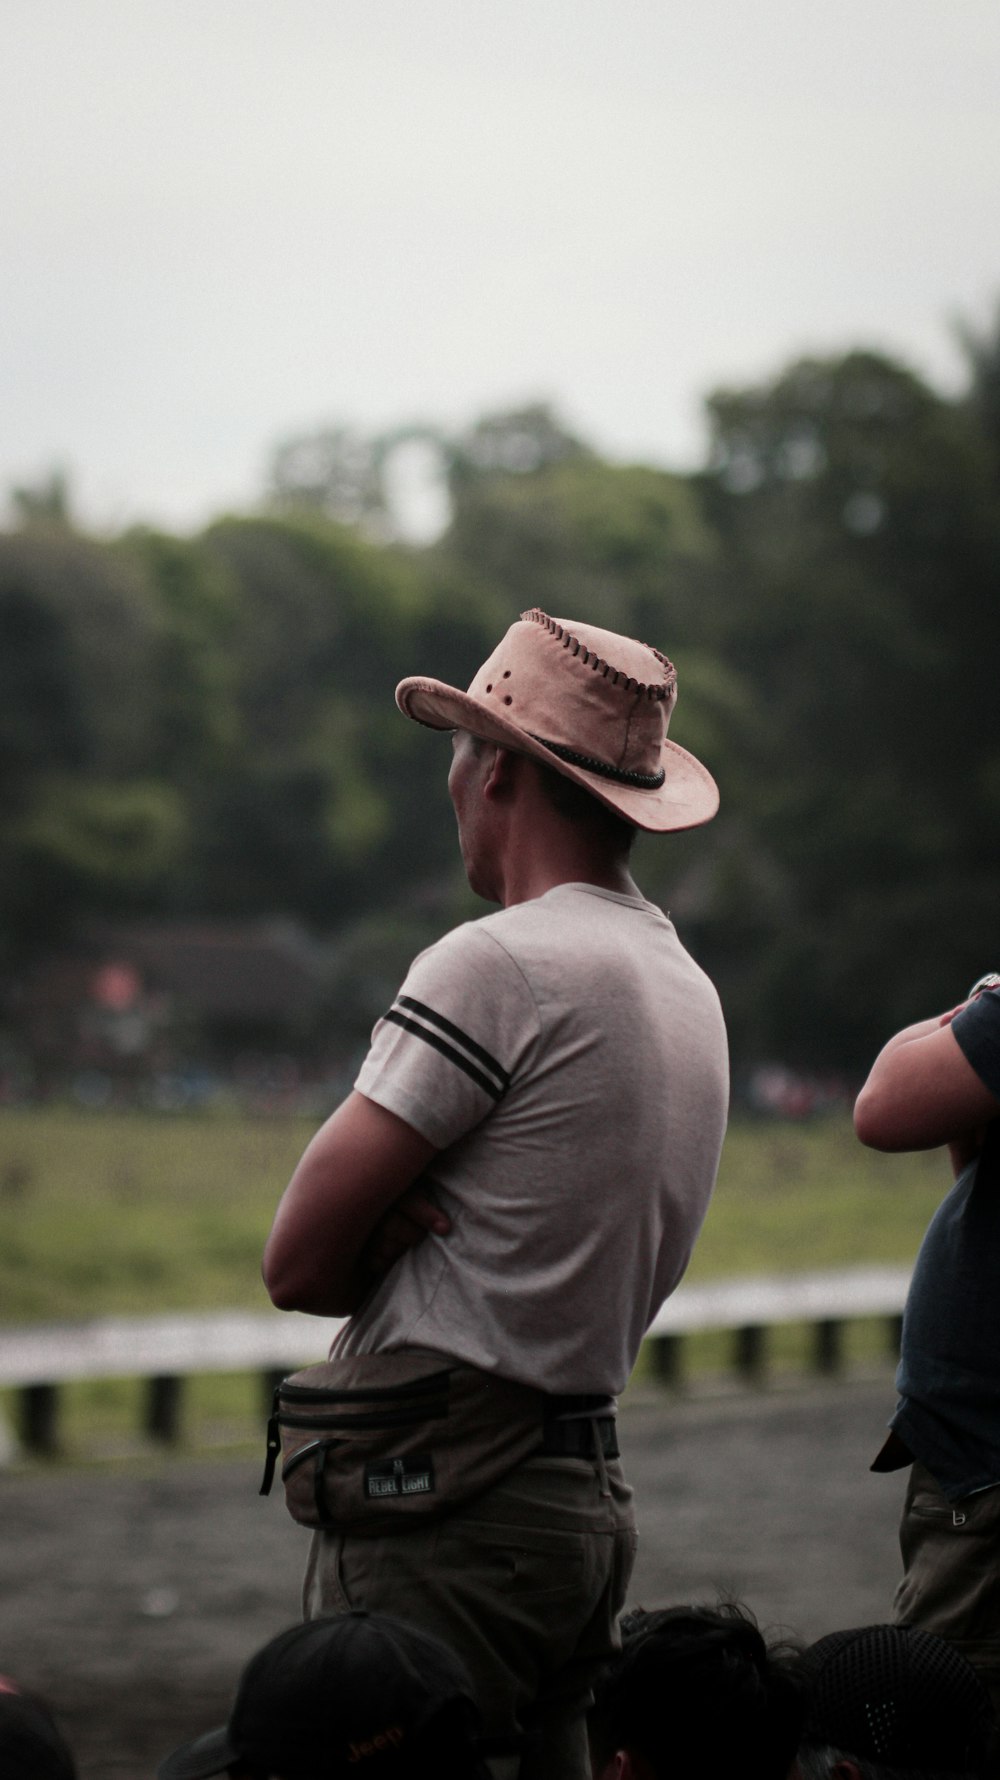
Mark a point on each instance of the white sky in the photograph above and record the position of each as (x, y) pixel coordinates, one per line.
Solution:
(223, 222)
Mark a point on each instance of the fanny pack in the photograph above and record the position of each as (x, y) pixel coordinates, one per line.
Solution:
(368, 1442)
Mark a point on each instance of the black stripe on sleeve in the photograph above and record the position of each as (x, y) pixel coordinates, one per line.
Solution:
(446, 1050)
(469, 1044)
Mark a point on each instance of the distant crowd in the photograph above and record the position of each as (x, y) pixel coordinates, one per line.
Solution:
(279, 1085)
(260, 1084)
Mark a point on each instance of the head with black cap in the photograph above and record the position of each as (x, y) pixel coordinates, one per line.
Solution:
(889, 1702)
(351, 1694)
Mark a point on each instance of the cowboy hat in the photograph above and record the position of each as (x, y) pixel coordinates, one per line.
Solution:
(591, 704)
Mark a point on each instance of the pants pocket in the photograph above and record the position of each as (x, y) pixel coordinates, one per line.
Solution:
(324, 1589)
(951, 1562)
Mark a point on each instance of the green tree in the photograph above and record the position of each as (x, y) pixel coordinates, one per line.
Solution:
(84, 815)
(326, 807)
(982, 352)
(336, 471)
(854, 589)
(46, 502)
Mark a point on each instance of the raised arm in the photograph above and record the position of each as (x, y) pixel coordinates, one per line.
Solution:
(355, 1170)
(922, 1092)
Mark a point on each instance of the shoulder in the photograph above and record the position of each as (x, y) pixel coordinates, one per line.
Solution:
(499, 944)
(570, 914)
(485, 947)
(474, 971)
(977, 1030)
(446, 1050)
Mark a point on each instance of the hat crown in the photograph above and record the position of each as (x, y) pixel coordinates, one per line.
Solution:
(605, 697)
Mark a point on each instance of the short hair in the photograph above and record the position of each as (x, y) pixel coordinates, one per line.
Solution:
(818, 1760)
(576, 804)
(697, 1689)
(572, 801)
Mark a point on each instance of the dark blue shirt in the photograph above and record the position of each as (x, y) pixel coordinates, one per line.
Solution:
(949, 1373)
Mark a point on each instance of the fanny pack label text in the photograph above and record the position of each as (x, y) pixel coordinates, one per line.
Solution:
(412, 1476)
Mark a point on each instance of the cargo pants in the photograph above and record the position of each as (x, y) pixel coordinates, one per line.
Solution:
(526, 1584)
(951, 1580)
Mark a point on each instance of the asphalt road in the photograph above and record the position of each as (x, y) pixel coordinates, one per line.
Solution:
(132, 1598)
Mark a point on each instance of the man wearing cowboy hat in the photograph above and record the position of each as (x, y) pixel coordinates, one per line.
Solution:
(520, 1174)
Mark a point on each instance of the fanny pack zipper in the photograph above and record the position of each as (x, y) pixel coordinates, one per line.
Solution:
(417, 1387)
(382, 1418)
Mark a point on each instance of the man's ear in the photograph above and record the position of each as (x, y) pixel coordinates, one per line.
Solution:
(501, 772)
(623, 1766)
(612, 1769)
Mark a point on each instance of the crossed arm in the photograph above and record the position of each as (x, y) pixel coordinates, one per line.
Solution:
(922, 1091)
(352, 1207)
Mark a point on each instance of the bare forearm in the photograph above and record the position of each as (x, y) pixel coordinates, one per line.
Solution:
(921, 1092)
(318, 1270)
(884, 1092)
(919, 1029)
(360, 1164)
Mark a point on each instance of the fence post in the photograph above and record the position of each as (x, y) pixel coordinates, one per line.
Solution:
(38, 1416)
(749, 1352)
(665, 1355)
(163, 1408)
(828, 1351)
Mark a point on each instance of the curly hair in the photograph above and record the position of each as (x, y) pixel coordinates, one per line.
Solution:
(697, 1689)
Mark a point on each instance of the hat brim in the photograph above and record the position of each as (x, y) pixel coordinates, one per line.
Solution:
(206, 1756)
(688, 796)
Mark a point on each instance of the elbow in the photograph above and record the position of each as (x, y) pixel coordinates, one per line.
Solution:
(283, 1280)
(282, 1295)
(866, 1125)
(279, 1287)
(877, 1128)
(293, 1287)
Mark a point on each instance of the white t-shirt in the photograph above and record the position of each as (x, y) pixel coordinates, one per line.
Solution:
(568, 1058)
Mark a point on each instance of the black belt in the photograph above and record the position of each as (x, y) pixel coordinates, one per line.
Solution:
(580, 1427)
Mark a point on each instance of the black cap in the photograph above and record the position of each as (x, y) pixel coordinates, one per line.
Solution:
(355, 1693)
(898, 1696)
(30, 1742)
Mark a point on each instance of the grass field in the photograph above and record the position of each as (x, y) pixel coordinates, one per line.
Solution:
(135, 1213)
(792, 1197)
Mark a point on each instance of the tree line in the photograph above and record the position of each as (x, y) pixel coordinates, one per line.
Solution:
(205, 725)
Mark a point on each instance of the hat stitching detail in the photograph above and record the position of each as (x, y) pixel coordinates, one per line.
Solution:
(621, 775)
(628, 734)
(657, 692)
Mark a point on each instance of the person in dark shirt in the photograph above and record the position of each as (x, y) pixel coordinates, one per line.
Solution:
(938, 1082)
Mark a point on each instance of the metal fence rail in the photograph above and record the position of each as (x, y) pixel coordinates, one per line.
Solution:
(35, 1361)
